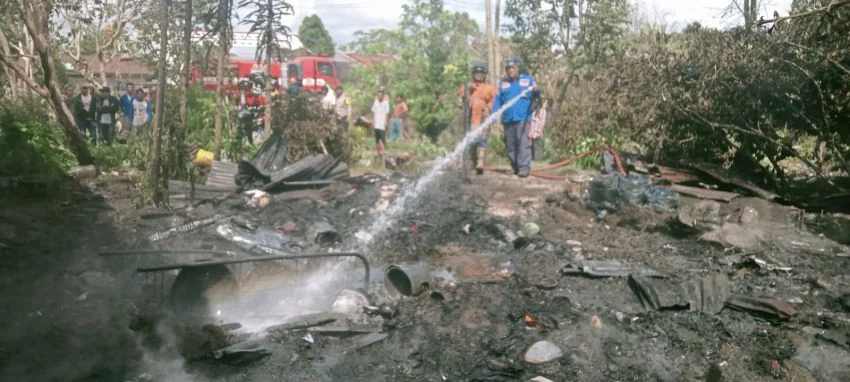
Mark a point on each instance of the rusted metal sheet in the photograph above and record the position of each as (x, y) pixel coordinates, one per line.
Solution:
(673, 175)
(764, 306)
(702, 193)
(729, 179)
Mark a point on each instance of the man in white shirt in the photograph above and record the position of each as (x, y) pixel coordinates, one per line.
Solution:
(329, 100)
(380, 118)
(142, 113)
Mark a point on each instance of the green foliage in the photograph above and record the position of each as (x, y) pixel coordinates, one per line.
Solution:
(306, 127)
(315, 37)
(134, 155)
(735, 98)
(538, 26)
(31, 143)
(435, 53)
(375, 41)
(604, 25)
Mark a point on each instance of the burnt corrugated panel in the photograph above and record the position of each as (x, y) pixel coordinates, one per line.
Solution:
(298, 170)
(222, 174)
(762, 306)
(708, 294)
(269, 158)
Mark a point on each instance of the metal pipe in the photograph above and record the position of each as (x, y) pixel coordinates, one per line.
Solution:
(406, 279)
(238, 260)
(168, 252)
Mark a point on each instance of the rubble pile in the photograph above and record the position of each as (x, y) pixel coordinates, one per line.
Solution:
(504, 280)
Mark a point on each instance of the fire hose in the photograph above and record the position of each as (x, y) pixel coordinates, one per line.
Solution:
(538, 172)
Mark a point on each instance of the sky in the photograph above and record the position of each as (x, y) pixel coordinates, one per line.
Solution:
(344, 17)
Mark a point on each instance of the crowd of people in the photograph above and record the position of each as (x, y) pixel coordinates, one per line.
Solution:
(100, 116)
(97, 115)
(523, 121)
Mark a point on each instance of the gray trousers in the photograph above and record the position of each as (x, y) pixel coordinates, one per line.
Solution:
(518, 145)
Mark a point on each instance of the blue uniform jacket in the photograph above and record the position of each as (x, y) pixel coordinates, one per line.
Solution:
(127, 105)
(508, 89)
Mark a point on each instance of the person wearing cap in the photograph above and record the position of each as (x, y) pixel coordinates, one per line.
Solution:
(107, 107)
(380, 118)
(85, 112)
(516, 118)
(481, 96)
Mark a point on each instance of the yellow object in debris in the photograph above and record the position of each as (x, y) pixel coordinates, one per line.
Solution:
(204, 158)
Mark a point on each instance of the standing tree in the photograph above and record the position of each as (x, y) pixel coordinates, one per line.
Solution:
(315, 37)
(218, 21)
(437, 49)
(266, 19)
(33, 18)
(100, 29)
(540, 26)
(603, 25)
(373, 42)
(748, 9)
(156, 180)
(180, 129)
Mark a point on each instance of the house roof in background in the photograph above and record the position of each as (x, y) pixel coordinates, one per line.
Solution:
(367, 60)
(128, 66)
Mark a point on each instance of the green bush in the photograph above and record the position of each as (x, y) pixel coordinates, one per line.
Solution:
(31, 144)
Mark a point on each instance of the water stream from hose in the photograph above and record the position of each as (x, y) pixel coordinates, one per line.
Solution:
(390, 216)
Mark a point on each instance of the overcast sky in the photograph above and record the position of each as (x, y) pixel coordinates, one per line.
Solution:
(344, 17)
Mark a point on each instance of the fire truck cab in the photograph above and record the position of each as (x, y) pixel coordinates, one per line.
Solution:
(313, 72)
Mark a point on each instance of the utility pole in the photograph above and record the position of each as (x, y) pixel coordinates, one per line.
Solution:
(491, 56)
(497, 46)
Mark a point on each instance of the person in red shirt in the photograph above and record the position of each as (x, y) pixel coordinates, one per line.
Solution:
(481, 97)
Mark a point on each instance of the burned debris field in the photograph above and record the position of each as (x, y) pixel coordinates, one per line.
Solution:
(500, 279)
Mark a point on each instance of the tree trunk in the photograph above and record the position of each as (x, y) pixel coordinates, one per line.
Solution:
(10, 74)
(488, 38)
(219, 92)
(101, 66)
(267, 129)
(497, 46)
(180, 129)
(37, 33)
(159, 191)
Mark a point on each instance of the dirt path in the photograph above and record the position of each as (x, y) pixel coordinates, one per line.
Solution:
(69, 309)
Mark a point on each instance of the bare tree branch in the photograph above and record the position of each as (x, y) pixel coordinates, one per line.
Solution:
(828, 8)
(726, 126)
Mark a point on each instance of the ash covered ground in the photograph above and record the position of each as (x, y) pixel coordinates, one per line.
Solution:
(75, 316)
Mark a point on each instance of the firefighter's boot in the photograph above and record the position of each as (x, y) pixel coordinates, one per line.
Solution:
(479, 160)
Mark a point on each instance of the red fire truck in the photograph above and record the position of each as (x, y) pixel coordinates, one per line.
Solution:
(313, 72)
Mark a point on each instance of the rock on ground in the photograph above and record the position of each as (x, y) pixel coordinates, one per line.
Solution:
(542, 352)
